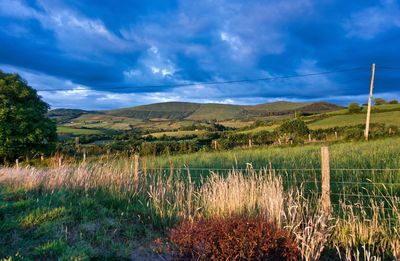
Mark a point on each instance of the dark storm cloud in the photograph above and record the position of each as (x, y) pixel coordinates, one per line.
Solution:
(123, 53)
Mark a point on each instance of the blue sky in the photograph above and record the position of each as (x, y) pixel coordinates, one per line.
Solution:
(105, 53)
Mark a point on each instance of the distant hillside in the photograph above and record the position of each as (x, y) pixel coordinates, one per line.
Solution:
(199, 111)
(167, 110)
(65, 115)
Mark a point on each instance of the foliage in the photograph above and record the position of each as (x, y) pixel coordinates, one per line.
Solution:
(379, 101)
(354, 107)
(24, 128)
(234, 238)
(294, 127)
(393, 102)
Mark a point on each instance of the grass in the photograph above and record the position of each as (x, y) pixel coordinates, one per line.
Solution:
(259, 129)
(101, 211)
(77, 131)
(391, 117)
(178, 134)
(374, 154)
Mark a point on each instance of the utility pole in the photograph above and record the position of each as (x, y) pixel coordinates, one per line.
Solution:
(371, 87)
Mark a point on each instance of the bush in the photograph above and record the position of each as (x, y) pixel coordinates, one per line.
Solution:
(379, 101)
(235, 238)
(393, 102)
(354, 133)
(294, 127)
(354, 107)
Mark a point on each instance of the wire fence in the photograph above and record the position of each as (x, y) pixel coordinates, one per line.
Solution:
(350, 185)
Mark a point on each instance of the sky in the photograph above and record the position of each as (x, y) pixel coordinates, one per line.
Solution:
(121, 53)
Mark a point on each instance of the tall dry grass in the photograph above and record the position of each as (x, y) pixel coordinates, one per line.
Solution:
(353, 232)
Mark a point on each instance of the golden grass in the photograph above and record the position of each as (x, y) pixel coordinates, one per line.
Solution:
(357, 232)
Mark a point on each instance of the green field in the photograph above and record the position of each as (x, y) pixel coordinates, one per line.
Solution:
(389, 118)
(178, 134)
(259, 129)
(77, 131)
(384, 153)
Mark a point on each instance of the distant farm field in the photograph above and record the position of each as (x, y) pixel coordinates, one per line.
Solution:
(391, 117)
(178, 134)
(74, 131)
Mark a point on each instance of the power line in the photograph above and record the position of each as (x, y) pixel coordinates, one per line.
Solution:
(215, 82)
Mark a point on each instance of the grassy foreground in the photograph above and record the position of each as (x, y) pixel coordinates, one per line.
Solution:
(102, 210)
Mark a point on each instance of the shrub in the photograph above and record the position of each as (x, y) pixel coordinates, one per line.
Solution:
(294, 127)
(354, 133)
(354, 107)
(393, 102)
(379, 101)
(235, 238)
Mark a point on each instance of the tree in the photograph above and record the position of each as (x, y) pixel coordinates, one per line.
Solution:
(379, 101)
(393, 102)
(295, 127)
(24, 127)
(354, 107)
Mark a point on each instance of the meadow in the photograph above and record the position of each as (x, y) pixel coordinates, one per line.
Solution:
(102, 209)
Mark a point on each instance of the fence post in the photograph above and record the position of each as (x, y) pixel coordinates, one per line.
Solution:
(335, 134)
(326, 187)
(250, 143)
(84, 155)
(309, 137)
(215, 143)
(60, 161)
(17, 163)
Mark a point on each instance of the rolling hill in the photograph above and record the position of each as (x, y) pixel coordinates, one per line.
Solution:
(172, 115)
(213, 111)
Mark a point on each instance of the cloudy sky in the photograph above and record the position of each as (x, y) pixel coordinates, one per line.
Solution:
(109, 54)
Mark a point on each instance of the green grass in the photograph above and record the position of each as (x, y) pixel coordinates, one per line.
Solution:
(76, 131)
(216, 111)
(261, 128)
(391, 117)
(110, 221)
(178, 134)
(376, 108)
(383, 153)
(67, 225)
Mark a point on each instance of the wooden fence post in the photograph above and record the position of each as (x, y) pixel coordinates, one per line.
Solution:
(326, 187)
(336, 134)
(60, 161)
(250, 143)
(17, 163)
(215, 143)
(84, 155)
(309, 137)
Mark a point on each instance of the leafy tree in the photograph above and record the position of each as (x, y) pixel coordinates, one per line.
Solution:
(379, 101)
(294, 127)
(24, 127)
(393, 102)
(354, 107)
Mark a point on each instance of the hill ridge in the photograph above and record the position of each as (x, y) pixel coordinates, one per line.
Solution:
(178, 110)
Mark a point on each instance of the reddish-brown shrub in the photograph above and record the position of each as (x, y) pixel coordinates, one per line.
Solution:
(236, 238)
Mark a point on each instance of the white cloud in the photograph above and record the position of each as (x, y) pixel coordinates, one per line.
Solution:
(74, 32)
(374, 20)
